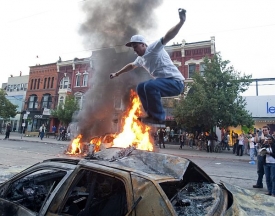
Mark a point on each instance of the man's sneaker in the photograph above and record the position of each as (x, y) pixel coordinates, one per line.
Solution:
(257, 186)
(152, 122)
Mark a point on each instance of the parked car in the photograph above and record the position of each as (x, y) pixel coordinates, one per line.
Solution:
(120, 182)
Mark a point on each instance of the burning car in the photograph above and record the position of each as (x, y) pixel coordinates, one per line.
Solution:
(126, 181)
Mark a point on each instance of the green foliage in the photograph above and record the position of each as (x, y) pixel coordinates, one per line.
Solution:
(64, 112)
(214, 100)
(7, 109)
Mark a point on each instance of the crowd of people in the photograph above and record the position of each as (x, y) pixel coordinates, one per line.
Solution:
(258, 145)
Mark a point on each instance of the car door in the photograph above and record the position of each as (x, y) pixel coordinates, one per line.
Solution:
(30, 191)
(96, 190)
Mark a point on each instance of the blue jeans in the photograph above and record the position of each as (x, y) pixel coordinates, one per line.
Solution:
(151, 91)
(260, 169)
(269, 169)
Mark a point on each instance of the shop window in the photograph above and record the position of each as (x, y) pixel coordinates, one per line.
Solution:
(94, 193)
(191, 70)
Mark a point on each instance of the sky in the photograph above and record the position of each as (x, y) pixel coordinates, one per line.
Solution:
(244, 33)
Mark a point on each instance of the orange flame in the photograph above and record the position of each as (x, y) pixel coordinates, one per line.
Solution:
(134, 132)
(75, 146)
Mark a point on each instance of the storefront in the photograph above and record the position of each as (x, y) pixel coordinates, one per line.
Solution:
(262, 109)
(35, 119)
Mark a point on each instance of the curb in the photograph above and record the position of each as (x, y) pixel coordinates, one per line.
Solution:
(22, 140)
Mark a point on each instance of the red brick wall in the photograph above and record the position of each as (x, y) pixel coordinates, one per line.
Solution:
(38, 75)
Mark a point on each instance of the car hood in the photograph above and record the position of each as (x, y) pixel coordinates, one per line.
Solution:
(249, 202)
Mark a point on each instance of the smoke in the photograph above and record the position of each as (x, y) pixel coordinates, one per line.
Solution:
(110, 24)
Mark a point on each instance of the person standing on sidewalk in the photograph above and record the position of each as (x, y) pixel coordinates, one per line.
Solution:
(251, 148)
(269, 166)
(162, 134)
(8, 130)
(262, 140)
(42, 130)
(240, 145)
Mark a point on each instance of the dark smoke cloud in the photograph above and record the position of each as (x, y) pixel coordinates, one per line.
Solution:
(111, 23)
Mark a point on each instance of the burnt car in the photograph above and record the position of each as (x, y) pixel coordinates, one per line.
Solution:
(120, 182)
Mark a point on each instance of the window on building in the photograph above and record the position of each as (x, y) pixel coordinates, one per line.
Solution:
(191, 70)
(202, 67)
(31, 84)
(25, 86)
(49, 80)
(22, 87)
(77, 79)
(46, 101)
(61, 100)
(85, 79)
(38, 83)
(52, 82)
(65, 83)
(45, 83)
(79, 98)
(35, 82)
(33, 102)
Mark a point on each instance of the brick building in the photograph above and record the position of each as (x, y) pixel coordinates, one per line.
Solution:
(41, 95)
(73, 77)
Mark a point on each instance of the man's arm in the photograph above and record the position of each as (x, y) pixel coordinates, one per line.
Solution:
(125, 69)
(174, 31)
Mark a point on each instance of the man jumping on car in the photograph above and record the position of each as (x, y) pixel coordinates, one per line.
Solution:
(167, 79)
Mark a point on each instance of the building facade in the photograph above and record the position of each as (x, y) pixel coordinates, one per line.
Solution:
(16, 89)
(41, 96)
(73, 77)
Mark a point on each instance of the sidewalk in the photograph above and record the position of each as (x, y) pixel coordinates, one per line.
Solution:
(15, 136)
(171, 148)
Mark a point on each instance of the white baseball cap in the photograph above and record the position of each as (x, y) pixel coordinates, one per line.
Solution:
(136, 39)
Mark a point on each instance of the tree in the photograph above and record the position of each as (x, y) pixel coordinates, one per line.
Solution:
(7, 109)
(64, 112)
(214, 99)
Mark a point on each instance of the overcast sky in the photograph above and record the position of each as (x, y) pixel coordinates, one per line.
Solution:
(244, 32)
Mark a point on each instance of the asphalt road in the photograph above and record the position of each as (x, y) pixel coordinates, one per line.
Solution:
(17, 155)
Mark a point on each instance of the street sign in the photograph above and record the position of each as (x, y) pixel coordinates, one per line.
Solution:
(23, 124)
(25, 116)
(27, 112)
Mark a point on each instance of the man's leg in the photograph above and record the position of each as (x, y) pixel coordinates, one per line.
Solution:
(260, 171)
(152, 92)
(142, 95)
(267, 170)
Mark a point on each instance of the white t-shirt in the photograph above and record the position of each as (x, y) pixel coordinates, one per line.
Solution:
(241, 139)
(251, 142)
(158, 63)
(269, 158)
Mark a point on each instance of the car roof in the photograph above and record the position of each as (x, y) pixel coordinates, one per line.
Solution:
(153, 165)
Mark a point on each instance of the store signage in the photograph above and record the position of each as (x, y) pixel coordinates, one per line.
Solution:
(270, 109)
(38, 116)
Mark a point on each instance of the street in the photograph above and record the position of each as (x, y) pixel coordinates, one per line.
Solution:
(16, 155)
